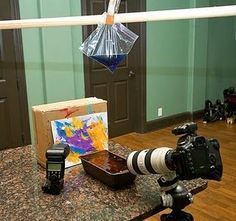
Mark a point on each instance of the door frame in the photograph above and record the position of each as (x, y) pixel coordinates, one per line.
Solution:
(20, 73)
(140, 77)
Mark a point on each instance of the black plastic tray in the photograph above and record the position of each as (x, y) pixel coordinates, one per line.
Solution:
(108, 167)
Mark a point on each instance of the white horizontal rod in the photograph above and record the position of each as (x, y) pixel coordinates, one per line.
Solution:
(51, 22)
(177, 14)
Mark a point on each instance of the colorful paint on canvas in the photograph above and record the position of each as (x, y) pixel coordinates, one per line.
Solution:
(83, 134)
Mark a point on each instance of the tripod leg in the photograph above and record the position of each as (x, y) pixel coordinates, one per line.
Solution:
(177, 215)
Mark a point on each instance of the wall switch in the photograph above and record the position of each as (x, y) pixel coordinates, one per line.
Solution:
(159, 113)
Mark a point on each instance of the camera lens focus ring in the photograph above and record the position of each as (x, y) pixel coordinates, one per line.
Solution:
(158, 160)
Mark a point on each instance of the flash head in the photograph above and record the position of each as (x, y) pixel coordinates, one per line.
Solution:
(58, 152)
(187, 128)
(55, 168)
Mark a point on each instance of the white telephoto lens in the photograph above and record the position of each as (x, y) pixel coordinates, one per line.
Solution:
(129, 163)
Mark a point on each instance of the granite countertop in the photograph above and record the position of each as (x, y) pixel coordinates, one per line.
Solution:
(83, 198)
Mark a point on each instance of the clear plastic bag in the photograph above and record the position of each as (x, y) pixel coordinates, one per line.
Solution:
(109, 44)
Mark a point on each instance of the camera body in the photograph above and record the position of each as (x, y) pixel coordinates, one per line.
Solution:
(195, 156)
(55, 168)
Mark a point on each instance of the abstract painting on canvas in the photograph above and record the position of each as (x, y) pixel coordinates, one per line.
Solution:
(83, 134)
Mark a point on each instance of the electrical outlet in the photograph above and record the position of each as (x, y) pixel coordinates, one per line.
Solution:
(159, 112)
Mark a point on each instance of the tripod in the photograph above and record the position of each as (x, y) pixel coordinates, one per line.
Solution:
(176, 197)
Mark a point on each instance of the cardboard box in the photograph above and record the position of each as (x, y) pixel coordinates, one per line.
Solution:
(44, 114)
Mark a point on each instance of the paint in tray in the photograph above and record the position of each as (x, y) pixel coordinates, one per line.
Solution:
(107, 161)
(109, 168)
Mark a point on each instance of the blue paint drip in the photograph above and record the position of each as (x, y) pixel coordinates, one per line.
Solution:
(110, 61)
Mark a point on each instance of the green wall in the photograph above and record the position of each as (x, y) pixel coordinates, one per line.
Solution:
(167, 62)
(221, 53)
(198, 40)
(176, 61)
(187, 61)
(53, 62)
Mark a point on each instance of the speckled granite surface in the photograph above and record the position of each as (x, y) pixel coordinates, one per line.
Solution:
(83, 198)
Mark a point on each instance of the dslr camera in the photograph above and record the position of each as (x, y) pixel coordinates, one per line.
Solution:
(194, 157)
(55, 168)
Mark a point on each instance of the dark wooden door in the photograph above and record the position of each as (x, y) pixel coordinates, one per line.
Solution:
(14, 124)
(122, 88)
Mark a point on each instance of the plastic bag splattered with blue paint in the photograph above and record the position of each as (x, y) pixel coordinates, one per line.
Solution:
(109, 44)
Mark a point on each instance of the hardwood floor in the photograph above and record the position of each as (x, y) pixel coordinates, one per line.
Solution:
(218, 201)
